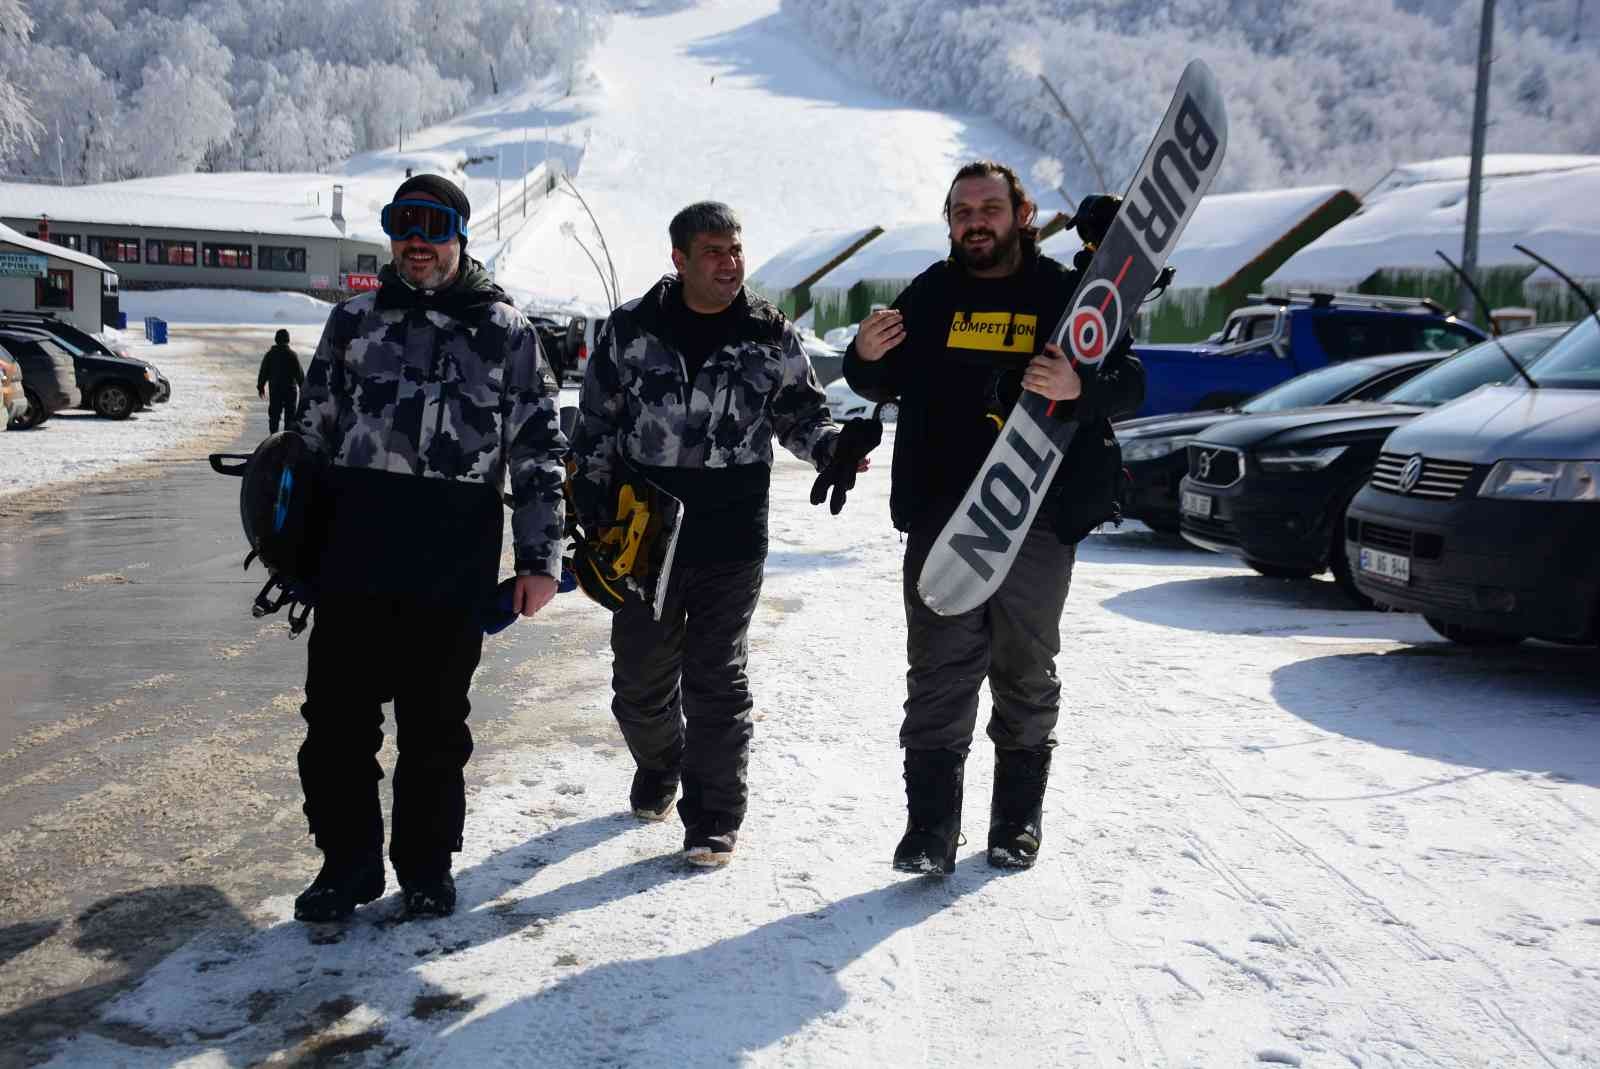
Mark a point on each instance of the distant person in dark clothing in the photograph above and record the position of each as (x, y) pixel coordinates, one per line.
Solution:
(280, 373)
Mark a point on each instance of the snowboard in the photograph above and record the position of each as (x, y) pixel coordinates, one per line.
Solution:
(976, 549)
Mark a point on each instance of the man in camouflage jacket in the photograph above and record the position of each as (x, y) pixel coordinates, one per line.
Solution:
(424, 396)
(686, 388)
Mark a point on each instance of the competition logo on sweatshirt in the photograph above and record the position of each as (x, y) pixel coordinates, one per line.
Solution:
(994, 332)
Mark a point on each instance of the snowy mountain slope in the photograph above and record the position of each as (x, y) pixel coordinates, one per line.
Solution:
(724, 100)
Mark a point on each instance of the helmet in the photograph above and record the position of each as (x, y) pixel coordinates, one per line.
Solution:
(284, 509)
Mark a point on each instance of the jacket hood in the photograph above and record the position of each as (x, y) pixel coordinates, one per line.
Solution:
(1508, 422)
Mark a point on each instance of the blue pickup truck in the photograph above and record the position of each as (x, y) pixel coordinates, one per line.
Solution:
(1274, 339)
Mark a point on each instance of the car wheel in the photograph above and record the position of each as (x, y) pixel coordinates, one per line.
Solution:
(35, 414)
(1275, 571)
(114, 401)
(1472, 636)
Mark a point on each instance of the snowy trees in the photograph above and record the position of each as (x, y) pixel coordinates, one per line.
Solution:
(17, 125)
(138, 87)
(1316, 92)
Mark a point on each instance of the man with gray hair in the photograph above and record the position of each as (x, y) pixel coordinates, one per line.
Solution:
(686, 389)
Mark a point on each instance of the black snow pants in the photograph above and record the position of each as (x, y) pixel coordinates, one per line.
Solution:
(680, 692)
(361, 654)
(1011, 640)
(281, 405)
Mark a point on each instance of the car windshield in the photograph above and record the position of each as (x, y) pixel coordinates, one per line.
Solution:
(1313, 388)
(1481, 365)
(1573, 363)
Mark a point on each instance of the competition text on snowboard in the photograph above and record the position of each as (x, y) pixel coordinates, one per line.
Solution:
(976, 548)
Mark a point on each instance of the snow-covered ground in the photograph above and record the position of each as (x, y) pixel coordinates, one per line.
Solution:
(231, 307)
(1278, 832)
(77, 444)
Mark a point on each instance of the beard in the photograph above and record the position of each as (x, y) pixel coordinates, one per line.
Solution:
(1002, 247)
(430, 274)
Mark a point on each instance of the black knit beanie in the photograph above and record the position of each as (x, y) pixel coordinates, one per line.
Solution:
(437, 185)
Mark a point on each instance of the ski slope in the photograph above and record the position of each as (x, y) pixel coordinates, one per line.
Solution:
(724, 101)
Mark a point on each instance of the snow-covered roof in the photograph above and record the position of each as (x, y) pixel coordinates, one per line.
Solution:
(1457, 168)
(9, 236)
(806, 257)
(119, 207)
(899, 252)
(1227, 233)
(1555, 213)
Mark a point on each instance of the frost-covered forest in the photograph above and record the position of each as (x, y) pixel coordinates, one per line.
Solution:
(127, 88)
(1317, 91)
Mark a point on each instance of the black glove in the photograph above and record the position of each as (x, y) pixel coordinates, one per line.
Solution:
(1094, 216)
(858, 438)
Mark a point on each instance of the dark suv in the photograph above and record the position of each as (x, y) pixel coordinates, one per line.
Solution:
(110, 386)
(49, 377)
(77, 341)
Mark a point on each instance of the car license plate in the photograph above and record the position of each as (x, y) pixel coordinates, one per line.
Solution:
(1196, 504)
(1386, 565)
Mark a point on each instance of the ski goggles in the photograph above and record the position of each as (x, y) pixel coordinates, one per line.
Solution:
(433, 223)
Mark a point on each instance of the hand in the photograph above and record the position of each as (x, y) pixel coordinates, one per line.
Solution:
(1052, 375)
(858, 438)
(532, 594)
(880, 332)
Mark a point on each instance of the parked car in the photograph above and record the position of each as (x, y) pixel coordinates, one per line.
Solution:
(13, 399)
(1484, 516)
(107, 385)
(1273, 488)
(553, 340)
(844, 403)
(49, 376)
(1277, 338)
(77, 340)
(1155, 448)
(581, 334)
(826, 360)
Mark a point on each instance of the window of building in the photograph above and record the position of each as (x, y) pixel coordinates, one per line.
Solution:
(281, 258)
(114, 250)
(55, 290)
(68, 241)
(231, 257)
(171, 253)
(366, 263)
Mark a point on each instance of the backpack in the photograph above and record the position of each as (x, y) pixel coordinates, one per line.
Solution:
(284, 507)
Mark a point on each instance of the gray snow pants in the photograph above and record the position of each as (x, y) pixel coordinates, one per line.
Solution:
(1012, 640)
(679, 688)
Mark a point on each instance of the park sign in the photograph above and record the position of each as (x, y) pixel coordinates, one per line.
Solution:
(23, 265)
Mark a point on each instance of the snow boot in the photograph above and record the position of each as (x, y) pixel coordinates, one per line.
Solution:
(430, 896)
(1016, 813)
(346, 881)
(709, 842)
(933, 812)
(652, 793)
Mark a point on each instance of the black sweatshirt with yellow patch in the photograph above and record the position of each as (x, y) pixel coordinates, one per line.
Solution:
(959, 372)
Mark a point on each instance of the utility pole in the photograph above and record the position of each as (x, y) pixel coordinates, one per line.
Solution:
(1480, 122)
(524, 172)
(61, 167)
(499, 170)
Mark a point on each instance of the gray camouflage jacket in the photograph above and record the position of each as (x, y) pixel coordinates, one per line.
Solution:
(452, 391)
(636, 406)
